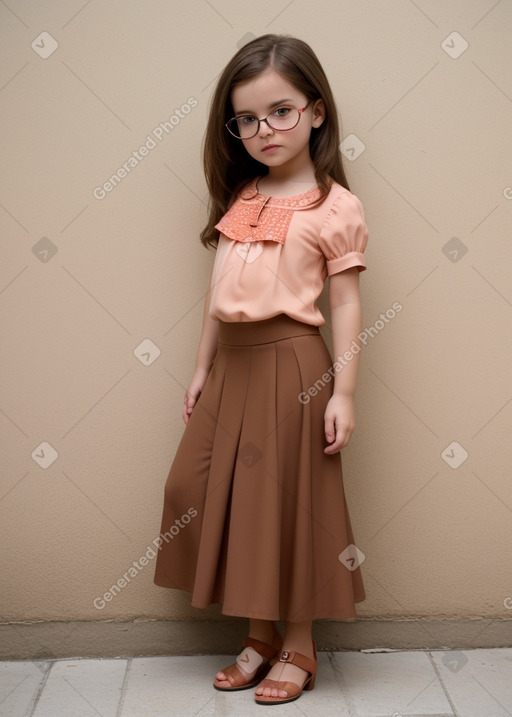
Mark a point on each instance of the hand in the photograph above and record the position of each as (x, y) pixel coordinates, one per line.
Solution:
(193, 392)
(339, 422)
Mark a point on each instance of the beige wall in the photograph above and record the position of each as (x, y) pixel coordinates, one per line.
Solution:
(129, 268)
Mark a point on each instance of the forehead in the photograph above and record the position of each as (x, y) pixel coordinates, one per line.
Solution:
(262, 91)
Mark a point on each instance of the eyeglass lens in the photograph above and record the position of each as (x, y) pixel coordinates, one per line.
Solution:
(247, 126)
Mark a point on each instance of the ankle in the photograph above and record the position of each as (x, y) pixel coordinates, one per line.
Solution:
(305, 649)
(299, 638)
(300, 644)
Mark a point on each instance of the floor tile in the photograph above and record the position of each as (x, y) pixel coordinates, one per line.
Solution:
(20, 683)
(164, 686)
(82, 688)
(392, 683)
(479, 682)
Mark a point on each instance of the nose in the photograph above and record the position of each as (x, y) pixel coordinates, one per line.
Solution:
(265, 129)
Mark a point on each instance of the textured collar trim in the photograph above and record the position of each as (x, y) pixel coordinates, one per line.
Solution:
(298, 201)
(255, 217)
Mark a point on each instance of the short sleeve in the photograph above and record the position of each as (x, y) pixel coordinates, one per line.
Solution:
(344, 234)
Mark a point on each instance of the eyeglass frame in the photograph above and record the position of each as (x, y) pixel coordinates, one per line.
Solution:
(265, 119)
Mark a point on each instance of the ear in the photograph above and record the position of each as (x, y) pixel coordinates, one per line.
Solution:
(318, 113)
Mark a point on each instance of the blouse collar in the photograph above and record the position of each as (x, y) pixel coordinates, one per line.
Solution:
(297, 201)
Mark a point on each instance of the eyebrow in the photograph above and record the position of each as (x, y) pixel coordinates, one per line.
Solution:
(269, 107)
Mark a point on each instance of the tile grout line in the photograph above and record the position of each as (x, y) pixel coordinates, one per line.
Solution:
(41, 688)
(340, 681)
(353, 712)
(124, 687)
(441, 682)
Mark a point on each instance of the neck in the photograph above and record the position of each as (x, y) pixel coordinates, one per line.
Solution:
(293, 173)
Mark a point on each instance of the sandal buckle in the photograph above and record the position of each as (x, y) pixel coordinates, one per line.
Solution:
(284, 657)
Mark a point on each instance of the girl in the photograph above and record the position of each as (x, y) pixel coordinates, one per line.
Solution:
(254, 514)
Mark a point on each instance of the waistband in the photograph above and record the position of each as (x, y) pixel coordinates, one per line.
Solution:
(249, 333)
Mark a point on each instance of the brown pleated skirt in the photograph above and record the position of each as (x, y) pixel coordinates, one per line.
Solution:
(254, 513)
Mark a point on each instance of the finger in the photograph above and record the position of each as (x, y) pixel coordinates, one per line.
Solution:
(334, 447)
(329, 428)
(188, 406)
(342, 438)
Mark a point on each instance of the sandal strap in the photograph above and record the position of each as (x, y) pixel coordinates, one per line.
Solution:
(297, 658)
(262, 648)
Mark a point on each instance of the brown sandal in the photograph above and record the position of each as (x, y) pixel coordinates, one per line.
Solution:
(294, 691)
(250, 662)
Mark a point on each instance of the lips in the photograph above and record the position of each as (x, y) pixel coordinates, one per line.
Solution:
(270, 147)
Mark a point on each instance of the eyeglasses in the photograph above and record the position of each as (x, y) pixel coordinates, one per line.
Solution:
(281, 119)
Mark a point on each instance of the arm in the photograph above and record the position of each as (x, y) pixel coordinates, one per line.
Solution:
(345, 306)
(205, 355)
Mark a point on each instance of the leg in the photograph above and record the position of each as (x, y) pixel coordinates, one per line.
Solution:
(298, 638)
(261, 630)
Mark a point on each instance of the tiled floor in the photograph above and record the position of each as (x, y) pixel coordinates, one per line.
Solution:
(473, 683)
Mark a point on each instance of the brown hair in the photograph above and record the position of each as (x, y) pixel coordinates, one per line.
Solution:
(227, 164)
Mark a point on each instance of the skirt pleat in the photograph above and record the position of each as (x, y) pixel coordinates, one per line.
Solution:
(254, 514)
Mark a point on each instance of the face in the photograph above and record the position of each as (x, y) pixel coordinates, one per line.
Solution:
(270, 94)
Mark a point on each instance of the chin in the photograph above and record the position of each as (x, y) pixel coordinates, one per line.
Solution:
(272, 161)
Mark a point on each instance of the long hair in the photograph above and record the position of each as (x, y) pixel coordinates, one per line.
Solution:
(227, 164)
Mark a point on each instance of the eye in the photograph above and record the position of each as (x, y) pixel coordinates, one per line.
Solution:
(246, 119)
(281, 111)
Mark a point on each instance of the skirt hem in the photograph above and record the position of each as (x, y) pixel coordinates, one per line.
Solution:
(251, 614)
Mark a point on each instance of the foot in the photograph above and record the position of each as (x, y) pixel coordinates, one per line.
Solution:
(251, 664)
(286, 680)
(238, 674)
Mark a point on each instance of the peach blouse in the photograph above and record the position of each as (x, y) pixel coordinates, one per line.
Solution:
(274, 253)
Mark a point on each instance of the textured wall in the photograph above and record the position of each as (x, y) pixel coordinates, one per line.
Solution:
(101, 290)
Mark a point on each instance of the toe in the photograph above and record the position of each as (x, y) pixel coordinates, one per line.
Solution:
(263, 689)
(223, 680)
